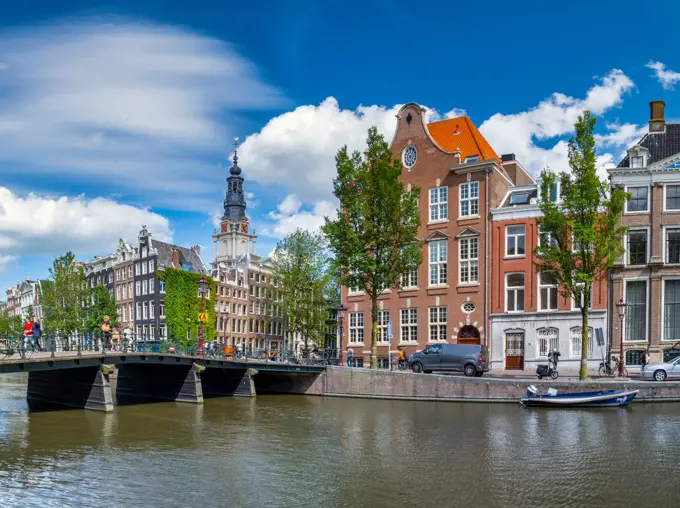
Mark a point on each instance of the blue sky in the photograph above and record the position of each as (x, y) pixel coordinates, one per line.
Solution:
(118, 114)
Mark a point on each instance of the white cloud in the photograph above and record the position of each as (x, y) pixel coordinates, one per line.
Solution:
(553, 117)
(666, 77)
(291, 216)
(296, 150)
(53, 225)
(5, 260)
(140, 106)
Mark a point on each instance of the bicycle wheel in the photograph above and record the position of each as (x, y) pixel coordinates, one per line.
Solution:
(602, 372)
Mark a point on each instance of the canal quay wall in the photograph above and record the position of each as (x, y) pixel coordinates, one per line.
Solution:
(379, 384)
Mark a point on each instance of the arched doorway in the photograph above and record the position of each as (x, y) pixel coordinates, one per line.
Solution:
(468, 335)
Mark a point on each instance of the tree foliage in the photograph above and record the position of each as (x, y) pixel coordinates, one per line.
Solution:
(583, 225)
(302, 270)
(103, 304)
(64, 295)
(182, 305)
(374, 236)
(10, 325)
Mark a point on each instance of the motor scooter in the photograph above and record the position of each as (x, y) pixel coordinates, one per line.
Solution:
(549, 370)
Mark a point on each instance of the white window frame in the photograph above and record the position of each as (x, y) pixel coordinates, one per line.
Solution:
(408, 326)
(138, 309)
(637, 212)
(665, 208)
(118, 292)
(552, 239)
(124, 291)
(576, 352)
(152, 286)
(642, 161)
(440, 264)
(441, 208)
(550, 288)
(356, 325)
(551, 342)
(665, 244)
(151, 265)
(470, 200)
(138, 269)
(162, 286)
(161, 310)
(626, 256)
(383, 320)
(465, 260)
(151, 309)
(145, 287)
(138, 288)
(516, 237)
(663, 309)
(437, 327)
(411, 278)
(625, 291)
(144, 266)
(145, 310)
(515, 289)
(145, 251)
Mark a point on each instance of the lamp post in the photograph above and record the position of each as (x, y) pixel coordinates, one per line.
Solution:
(202, 290)
(621, 307)
(340, 310)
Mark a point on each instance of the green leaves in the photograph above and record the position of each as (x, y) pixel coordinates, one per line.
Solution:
(103, 304)
(182, 305)
(374, 236)
(302, 268)
(63, 296)
(584, 222)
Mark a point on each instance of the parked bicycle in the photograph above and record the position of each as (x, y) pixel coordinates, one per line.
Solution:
(9, 348)
(606, 370)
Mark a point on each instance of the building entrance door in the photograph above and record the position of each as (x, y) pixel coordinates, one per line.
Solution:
(468, 335)
(514, 350)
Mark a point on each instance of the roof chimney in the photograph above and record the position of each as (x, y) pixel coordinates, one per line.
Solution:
(657, 122)
(507, 157)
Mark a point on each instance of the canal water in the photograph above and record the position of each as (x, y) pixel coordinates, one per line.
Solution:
(295, 451)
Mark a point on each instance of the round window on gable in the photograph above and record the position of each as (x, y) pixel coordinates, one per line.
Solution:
(468, 307)
(409, 156)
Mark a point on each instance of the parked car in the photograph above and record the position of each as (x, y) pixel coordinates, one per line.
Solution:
(662, 371)
(472, 359)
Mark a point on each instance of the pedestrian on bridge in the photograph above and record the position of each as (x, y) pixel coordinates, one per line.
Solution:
(37, 333)
(28, 333)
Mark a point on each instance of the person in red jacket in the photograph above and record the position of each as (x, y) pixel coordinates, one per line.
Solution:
(28, 334)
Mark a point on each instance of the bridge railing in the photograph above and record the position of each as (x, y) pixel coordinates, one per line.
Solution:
(90, 342)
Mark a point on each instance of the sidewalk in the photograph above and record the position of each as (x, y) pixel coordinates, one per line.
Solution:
(567, 374)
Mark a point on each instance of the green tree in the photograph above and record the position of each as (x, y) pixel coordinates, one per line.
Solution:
(10, 325)
(374, 236)
(103, 304)
(182, 305)
(64, 296)
(301, 268)
(580, 231)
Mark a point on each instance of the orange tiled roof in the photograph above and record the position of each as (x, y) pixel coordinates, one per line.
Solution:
(461, 133)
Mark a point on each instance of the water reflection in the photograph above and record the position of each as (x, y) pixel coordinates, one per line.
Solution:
(310, 451)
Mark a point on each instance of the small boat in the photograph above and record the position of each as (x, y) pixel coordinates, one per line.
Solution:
(610, 398)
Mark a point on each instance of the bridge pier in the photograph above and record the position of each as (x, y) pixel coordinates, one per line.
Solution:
(85, 388)
(139, 383)
(228, 382)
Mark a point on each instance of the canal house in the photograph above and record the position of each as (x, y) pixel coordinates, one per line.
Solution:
(529, 315)
(447, 300)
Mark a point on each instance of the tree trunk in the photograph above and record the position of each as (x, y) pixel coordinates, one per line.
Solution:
(583, 372)
(374, 331)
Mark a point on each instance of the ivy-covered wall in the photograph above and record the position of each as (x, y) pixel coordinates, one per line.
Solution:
(182, 304)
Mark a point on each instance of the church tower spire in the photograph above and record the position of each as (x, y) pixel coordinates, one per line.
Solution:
(235, 201)
(234, 240)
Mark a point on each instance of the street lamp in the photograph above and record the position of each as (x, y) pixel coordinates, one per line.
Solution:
(340, 310)
(202, 290)
(621, 307)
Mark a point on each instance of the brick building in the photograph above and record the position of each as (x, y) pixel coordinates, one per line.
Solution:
(529, 316)
(647, 277)
(447, 298)
(124, 282)
(246, 288)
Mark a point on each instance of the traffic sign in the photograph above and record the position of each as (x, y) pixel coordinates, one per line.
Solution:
(203, 317)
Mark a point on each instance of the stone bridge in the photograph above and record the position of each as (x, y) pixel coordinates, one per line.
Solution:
(101, 381)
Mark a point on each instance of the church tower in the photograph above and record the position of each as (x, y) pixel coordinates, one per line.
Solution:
(234, 241)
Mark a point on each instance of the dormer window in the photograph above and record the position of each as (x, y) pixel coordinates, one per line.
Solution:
(637, 156)
(472, 158)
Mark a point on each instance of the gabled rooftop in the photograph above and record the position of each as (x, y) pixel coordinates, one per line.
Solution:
(461, 133)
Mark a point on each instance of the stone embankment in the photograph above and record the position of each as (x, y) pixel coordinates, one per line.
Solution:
(365, 383)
